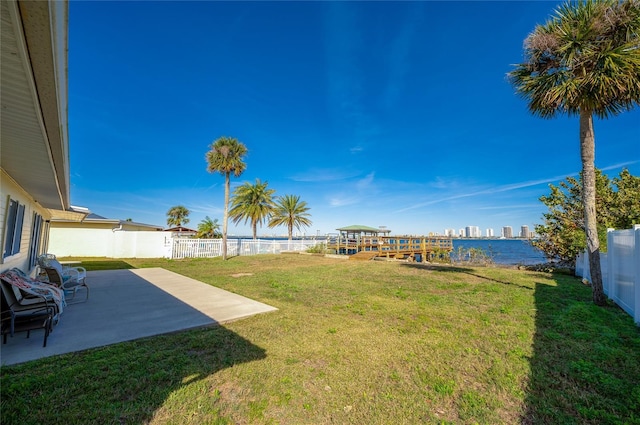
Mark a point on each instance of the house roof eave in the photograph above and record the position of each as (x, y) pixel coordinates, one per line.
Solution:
(34, 99)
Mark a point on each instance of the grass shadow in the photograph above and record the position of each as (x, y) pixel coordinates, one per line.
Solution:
(125, 383)
(92, 264)
(585, 367)
(437, 267)
(458, 269)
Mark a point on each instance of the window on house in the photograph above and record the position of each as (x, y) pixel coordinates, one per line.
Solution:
(45, 237)
(36, 237)
(13, 228)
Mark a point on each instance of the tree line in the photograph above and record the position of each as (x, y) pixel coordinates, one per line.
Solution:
(253, 203)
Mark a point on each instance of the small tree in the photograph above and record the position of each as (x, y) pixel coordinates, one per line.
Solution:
(253, 203)
(562, 236)
(226, 157)
(177, 216)
(626, 211)
(209, 229)
(290, 211)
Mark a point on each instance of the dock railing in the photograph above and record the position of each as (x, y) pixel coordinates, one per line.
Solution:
(392, 246)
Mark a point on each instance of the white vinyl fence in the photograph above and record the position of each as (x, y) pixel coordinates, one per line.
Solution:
(620, 269)
(207, 248)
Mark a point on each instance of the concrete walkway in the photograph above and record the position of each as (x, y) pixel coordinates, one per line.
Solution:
(131, 304)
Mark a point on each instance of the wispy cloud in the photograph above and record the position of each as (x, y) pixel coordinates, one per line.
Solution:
(509, 206)
(365, 183)
(449, 183)
(489, 191)
(208, 188)
(620, 165)
(342, 200)
(444, 184)
(207, 209)
(354, 192)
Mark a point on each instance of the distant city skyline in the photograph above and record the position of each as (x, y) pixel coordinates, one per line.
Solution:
(474, 232)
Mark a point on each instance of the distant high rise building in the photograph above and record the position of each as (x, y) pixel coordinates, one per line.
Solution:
(489, 233)
(507, 232)
(472, 232)
(524, 232)
(450, 232)
(461, 233)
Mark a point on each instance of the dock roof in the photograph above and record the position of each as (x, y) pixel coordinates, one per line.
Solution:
(361, 228)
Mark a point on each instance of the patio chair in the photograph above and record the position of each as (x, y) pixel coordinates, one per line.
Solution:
(30, 291)
(38, 320)
(16, 316)
(69, 286)
(68, 273)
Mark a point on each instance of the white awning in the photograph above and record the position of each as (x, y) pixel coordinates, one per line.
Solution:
(71, 214)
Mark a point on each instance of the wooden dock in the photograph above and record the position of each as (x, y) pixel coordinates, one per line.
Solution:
(411, 248)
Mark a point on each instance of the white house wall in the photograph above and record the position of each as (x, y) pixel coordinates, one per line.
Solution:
(142, 244)
(8, 188)
(97, 242)
(81, 242)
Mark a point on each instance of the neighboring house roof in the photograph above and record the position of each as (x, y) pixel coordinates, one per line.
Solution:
(361, 228)
(95, 219)
(96, 216)
(33, 82)
(180, 229)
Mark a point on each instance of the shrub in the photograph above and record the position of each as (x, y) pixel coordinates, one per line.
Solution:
(320, 248)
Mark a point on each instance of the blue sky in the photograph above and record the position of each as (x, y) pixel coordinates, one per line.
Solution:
(392, 114)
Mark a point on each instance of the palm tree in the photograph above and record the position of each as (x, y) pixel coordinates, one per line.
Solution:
(292, 212)
(252, 202)
(177, 216)
(209, 229)
(226, 157)
(584, 61)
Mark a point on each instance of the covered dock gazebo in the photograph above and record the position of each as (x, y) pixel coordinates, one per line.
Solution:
(357, 231)
(351, 237)
(364, 243)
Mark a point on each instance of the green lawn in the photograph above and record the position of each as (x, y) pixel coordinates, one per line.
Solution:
(355, 343)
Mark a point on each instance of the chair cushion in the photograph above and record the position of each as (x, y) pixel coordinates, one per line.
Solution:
(36, 291)
(17, 292)
(56, 265)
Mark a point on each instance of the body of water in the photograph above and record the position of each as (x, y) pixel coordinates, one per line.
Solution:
(504, 251)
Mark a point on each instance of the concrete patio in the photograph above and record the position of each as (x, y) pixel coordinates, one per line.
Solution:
(129, 304)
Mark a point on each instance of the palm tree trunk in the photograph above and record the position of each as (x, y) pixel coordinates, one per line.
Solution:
(225, 220)
(254, 227)
(587, 153)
